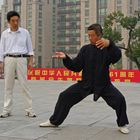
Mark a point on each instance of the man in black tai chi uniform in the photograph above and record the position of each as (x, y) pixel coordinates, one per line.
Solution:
(93, 60)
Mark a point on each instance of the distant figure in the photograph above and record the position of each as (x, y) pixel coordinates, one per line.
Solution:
(93, 60)
(15, 48)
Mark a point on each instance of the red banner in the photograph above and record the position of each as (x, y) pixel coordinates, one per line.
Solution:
(64, 74)
(125, 75)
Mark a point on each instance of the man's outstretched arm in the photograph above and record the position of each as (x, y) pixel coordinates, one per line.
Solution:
(75, 64)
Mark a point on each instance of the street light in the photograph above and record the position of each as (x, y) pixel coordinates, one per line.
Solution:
(137, 12)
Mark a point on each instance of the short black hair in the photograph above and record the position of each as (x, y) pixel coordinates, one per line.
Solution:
(97, 28)
(11, 14)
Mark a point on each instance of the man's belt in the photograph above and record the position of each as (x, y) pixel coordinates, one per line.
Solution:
(17, 55)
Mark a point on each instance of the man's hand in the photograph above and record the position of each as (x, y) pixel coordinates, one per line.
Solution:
(102, 43)
(59, 55)
(30, 63)
(1, 68)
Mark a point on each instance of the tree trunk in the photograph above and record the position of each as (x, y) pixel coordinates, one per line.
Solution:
(137, 63)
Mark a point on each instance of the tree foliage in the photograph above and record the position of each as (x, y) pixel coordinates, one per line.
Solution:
(131, 25)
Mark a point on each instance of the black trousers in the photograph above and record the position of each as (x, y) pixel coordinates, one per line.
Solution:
(76, 93)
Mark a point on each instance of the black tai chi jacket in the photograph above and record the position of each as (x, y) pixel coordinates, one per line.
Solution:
(94, 64)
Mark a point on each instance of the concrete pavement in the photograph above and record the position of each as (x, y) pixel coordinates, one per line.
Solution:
(87, 120)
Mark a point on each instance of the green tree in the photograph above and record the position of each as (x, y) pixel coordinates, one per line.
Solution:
(109, 30)
(130, 24)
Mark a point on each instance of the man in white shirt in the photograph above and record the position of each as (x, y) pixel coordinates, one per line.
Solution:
(15, 47)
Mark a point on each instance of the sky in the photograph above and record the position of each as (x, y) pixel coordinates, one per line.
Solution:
(1, 1)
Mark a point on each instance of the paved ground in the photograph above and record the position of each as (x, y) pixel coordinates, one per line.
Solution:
(87, 120)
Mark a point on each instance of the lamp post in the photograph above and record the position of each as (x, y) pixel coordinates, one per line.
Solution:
(137, 12)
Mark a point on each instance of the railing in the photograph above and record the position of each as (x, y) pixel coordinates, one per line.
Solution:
(69, 43)
(68, 12)
(69, 19)
(68, 27)
(68, 35)
(69, 4)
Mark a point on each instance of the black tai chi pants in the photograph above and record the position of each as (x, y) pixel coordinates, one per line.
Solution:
(75, 93)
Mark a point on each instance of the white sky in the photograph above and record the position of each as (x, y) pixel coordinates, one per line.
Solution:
(1, 1)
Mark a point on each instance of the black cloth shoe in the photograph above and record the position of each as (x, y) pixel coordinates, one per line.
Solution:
(96, 97)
